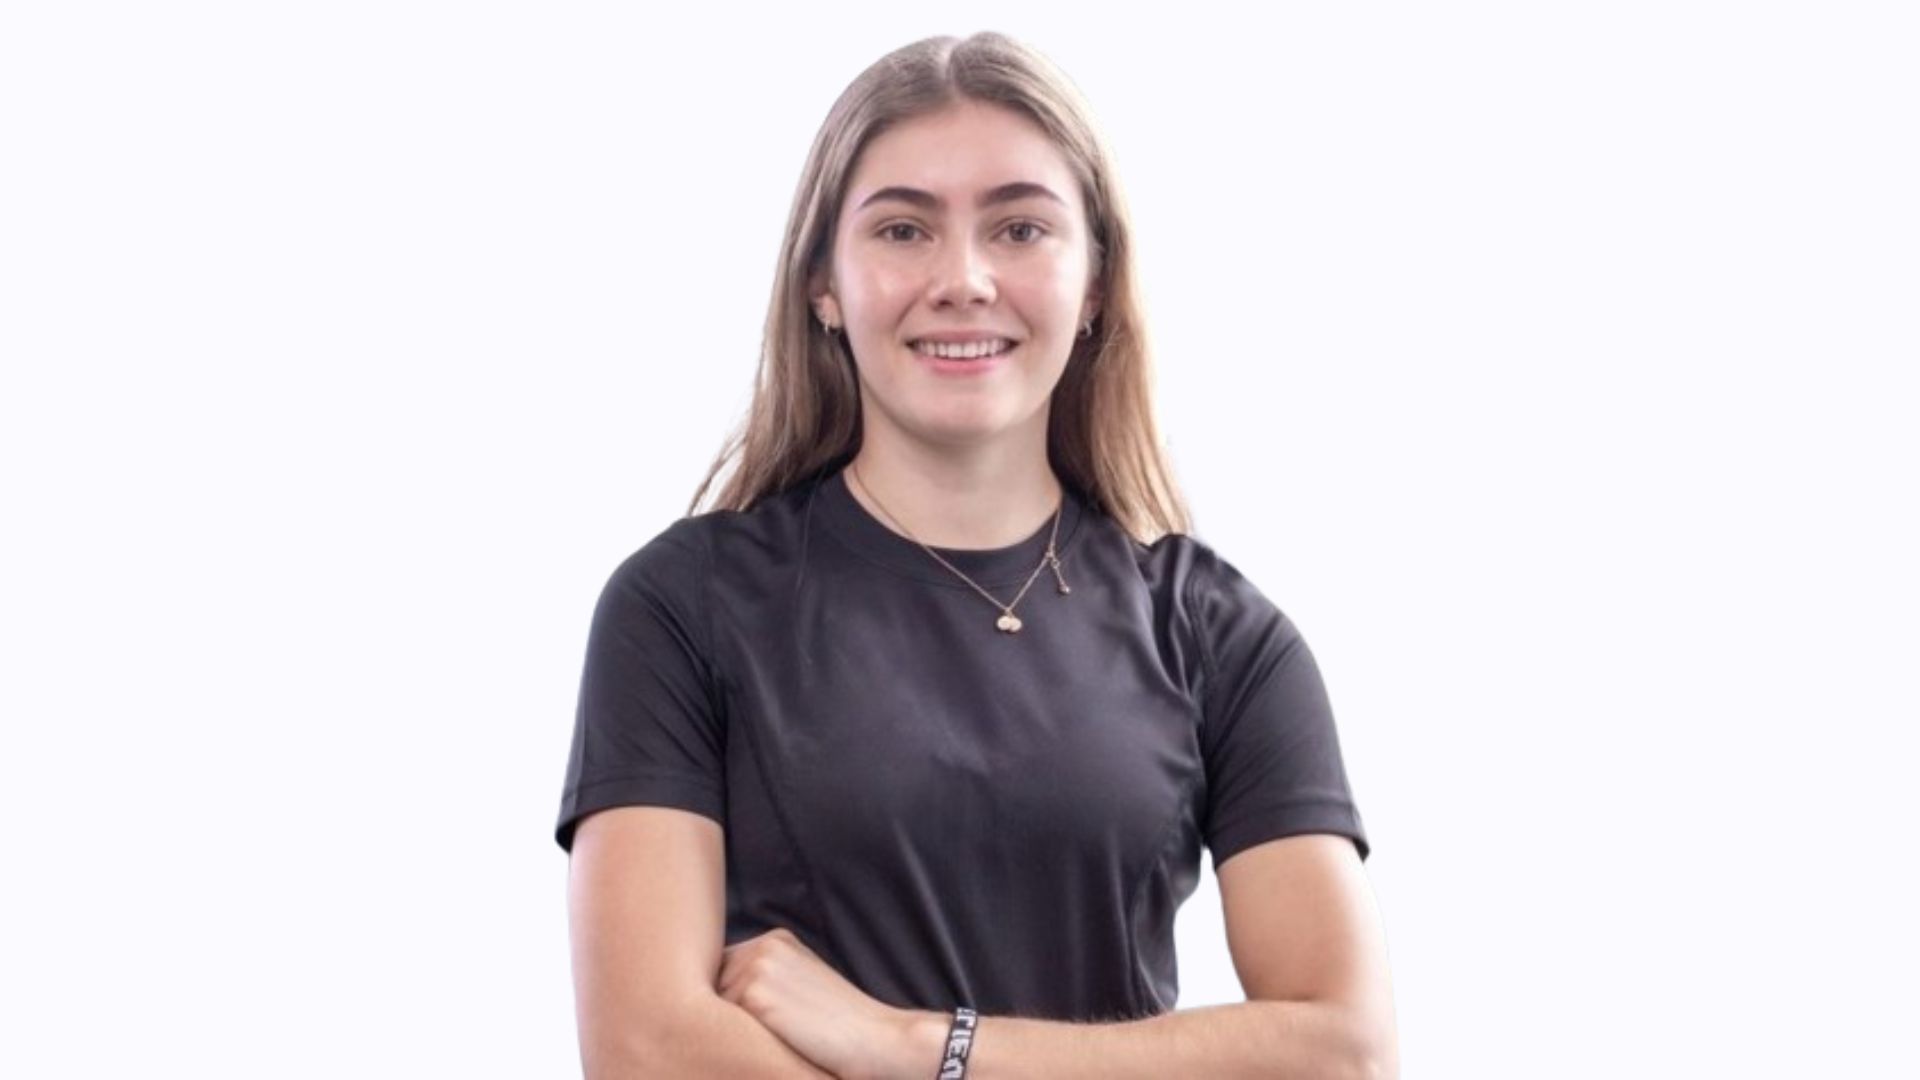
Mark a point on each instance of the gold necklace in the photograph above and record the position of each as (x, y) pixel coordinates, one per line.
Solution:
(1008, 621)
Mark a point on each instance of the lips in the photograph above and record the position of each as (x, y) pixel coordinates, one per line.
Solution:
(964, 366)
(973, 349)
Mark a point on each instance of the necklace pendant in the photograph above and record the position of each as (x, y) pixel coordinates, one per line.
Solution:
(1009, 623)
(1061, 580)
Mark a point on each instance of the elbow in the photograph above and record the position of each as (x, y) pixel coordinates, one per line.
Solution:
(1374, 1061)
(625, 1050)
(1369, 1047)
(1377, 1057)
(625, 1055)
(611, 1061)
(1379, 1067)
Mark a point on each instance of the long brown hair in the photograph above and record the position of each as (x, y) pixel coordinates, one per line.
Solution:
(1102, 435)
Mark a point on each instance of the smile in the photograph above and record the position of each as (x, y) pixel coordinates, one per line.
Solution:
(972, 350)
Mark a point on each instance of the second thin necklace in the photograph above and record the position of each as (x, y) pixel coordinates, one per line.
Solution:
(1008, 622)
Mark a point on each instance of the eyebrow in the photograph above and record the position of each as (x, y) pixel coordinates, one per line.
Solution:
(926, 200)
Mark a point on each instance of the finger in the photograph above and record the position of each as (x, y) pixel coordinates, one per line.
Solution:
(730, 985)
(798, 944)
(738, 967)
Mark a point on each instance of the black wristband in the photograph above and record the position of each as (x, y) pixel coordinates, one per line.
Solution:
(959, 1044)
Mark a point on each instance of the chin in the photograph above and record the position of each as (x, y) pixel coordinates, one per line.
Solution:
(973, 429)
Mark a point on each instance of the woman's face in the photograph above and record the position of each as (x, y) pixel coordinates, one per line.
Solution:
(961, 226)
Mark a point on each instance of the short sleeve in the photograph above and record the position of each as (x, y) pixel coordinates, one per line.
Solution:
(1272, 754)
(648, 730)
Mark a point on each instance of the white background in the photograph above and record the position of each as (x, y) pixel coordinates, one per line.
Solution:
(1550, 365)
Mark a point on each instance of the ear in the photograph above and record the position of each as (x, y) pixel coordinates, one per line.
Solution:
(1095, 301)
(825, 306)
(1090, 310)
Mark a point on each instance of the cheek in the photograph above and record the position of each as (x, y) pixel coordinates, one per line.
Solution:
(873, 290)
(1055, 286)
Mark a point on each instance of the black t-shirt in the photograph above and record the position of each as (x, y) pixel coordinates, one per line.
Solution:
(947, 813)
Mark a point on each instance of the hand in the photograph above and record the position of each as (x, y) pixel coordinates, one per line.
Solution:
(814, 1009)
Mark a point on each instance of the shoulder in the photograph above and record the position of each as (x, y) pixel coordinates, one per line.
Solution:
(677, 555)
(1209, 615)
(680, 560)
(1207, 585)
(1227, 623)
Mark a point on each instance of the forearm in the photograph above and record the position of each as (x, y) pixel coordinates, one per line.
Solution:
(1253, 1039)
(709, 1037)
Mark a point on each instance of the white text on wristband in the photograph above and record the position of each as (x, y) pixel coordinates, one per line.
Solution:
(959, 1044)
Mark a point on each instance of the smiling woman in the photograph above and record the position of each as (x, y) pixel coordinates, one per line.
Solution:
(848, 795)
(960, 291)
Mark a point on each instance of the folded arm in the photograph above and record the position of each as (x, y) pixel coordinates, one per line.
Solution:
(1308, 946)
(647, 905)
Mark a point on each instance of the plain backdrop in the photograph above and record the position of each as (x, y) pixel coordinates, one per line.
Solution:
(1551, 365)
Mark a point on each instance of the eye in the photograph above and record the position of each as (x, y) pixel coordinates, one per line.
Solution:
(1035, 231)
(890, 231)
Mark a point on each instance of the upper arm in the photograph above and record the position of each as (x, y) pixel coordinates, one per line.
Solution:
(647, 913)
(1302, 925)
(642, 810)
(1268, 740)
(649, 729)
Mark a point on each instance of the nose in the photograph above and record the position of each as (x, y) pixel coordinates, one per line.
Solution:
(962, 275)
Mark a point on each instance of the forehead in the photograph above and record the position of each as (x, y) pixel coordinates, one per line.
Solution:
(960, 152)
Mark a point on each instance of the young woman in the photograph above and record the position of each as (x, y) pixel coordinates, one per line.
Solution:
(899, 760)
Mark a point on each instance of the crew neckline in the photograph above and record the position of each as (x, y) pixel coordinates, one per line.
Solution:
(870, 538)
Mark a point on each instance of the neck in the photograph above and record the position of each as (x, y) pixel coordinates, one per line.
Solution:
(992, 498)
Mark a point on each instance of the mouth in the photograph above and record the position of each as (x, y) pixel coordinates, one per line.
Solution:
(973, 359)
(986, 349)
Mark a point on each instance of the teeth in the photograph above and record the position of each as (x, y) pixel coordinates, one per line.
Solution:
(969, 351)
